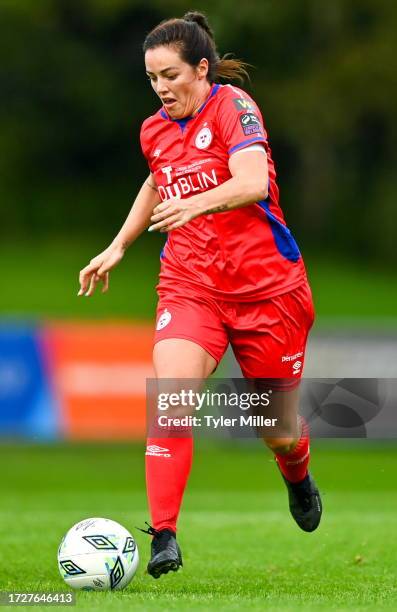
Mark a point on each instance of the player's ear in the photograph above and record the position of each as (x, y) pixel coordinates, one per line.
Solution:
(202, 68)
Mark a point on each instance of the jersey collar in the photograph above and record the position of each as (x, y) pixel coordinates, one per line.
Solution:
(183, 122)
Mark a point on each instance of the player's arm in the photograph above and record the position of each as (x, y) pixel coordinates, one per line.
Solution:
(248, 184)
(139, 216)
(137, 221)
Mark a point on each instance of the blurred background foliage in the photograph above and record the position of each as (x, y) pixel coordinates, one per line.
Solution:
(74, 94)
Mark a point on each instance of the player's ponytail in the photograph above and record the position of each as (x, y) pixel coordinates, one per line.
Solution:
(193, 37)
(231, 69)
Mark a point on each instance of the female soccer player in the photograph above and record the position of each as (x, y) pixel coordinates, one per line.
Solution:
(231, 271)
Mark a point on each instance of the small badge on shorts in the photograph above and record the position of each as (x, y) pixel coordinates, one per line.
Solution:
(164, 319)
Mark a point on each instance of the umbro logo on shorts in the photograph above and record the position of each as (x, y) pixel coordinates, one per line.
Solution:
(296, 368)
(157, 451)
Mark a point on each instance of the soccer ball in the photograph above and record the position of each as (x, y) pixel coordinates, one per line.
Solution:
(98, 554)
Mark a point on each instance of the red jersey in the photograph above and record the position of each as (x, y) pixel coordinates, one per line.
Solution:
(243, 254)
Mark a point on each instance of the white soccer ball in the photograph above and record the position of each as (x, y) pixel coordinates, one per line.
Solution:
(98, 554)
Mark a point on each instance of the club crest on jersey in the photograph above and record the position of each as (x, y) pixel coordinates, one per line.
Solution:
(203, 138)
(164, 319)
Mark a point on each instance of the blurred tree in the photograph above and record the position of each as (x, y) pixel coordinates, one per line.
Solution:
(73, 96)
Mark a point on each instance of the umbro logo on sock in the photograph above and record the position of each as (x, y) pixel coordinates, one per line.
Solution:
(157, 451)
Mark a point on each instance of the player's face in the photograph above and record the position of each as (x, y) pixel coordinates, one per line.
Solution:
(182, 88)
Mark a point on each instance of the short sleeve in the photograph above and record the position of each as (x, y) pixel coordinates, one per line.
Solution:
(240, 121)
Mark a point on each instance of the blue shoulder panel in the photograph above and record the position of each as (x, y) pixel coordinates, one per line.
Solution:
(283, 238)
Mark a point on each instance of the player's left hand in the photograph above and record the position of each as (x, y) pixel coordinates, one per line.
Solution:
(173, 213)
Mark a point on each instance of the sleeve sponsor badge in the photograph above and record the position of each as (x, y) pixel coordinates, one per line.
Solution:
(242, 104)
(250, 124)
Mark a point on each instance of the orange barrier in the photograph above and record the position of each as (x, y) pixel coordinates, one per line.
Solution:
(99, 373)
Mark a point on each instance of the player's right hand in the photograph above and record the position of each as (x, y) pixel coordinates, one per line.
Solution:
(98, 270)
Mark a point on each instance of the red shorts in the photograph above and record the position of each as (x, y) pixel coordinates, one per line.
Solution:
(268, 337)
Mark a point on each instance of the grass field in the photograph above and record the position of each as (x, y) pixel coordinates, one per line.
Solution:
(40, 280)
(242, 550)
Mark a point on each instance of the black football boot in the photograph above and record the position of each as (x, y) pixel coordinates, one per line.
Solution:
(304, 502)
(166, 554)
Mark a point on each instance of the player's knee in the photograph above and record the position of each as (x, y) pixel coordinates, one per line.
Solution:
(281, 446)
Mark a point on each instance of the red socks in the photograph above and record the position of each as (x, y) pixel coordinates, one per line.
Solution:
(294, 464)
(168, 463)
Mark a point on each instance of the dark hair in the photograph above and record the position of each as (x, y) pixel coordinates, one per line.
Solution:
(194, 39)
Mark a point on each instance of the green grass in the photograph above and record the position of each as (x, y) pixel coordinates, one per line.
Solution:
(242, 550)
(40, 280)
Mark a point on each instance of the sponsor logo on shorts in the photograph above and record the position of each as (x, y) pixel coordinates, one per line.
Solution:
(203, 138)
(164, 319)
(243, 104)
(250, 124)
(291, 357)
(157, 451)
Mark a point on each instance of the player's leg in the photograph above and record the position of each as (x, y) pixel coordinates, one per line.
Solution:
(169, 458)
(275, 350)
(290, 441)
(169, 455)
(292, 454)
